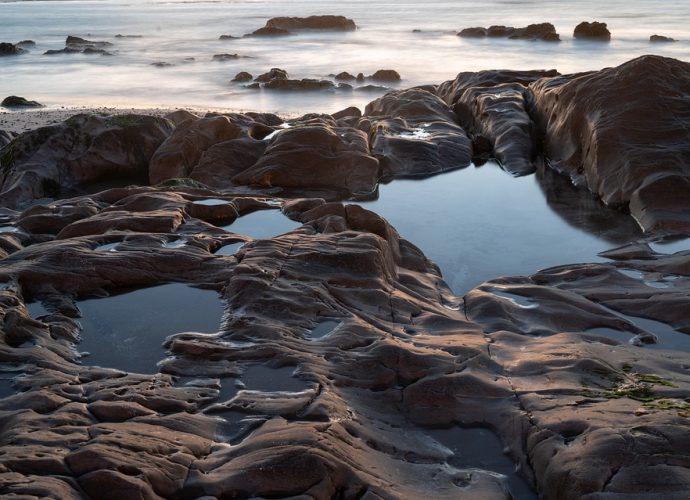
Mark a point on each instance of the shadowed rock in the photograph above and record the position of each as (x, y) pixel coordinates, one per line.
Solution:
(473, 32)
(493, 106)
(182, 150)
(83, 150)
(243, 76)
(386, 75)
(315, 156)
(330, 23)
(661, 38)
(10, 49)
(222, 161)
(592, 31)
(275, 73)
(14, 101)
(269, 31)
(622, 132)
(298, 85)
(543, 31)
(225, 57)
(414, 134)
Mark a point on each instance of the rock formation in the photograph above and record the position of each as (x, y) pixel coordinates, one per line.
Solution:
(592, 31)
(593, 132)
(543, 31)
(14, 101)
(342, 364)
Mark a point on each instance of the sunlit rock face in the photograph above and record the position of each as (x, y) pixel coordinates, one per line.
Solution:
(623, 133)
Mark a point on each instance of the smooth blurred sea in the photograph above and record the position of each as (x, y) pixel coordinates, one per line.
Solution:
(173, 31)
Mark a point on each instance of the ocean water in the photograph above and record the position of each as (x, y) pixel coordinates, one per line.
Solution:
(176, 31)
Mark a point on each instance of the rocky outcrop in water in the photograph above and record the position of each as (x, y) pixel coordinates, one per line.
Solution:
(243, 76)
(78, 45)
(592, 31)
(14, 101)
(543, 31)
(10, 49)
(593, 132)
(661, 38)
(330, 23)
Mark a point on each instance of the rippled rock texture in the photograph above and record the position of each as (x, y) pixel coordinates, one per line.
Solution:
(342, 365)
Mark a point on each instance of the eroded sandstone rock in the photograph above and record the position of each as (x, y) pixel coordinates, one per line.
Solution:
(601, 142)
(83, 150)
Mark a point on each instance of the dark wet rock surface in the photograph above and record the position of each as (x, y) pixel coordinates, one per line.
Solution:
(331, 23)
(10, 49)
(601, 143)
(14, 101)
(249, 338)
(661, 38)
(592, 31)
(542, 31)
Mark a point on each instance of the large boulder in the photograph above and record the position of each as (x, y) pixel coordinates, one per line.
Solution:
(331, 23)
(178, 155)
(316, 155)
(84, 150)
(592, 31)
(413, 133)
(14, 101)
(10, 49)
(623, 133)
(221, 162)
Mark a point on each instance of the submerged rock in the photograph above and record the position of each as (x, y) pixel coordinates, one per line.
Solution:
(622, 132)
(331, 23)
(225, 57)
(592, 31)
(275, 73)
(661, 38)
(14, 101)
(9, 49)
(266, 31)
(386, 75)
(299, 85)
(543, 31)
(473, 32)
(243, 76)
